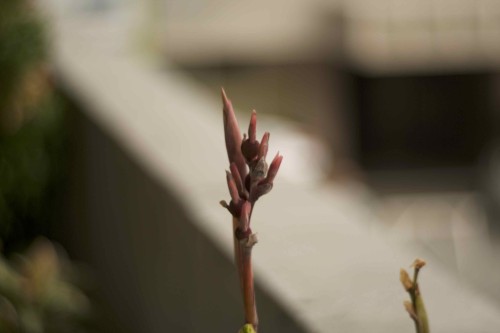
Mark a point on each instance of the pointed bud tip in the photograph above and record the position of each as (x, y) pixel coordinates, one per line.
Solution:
(411, 311)
(226, 103)
(232, 135)
(274, 167)
(252, 127)
(264, 145)
(405, 280)
(418, 263)
(223, 94)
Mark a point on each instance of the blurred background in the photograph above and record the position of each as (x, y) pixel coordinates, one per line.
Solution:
(397, 101)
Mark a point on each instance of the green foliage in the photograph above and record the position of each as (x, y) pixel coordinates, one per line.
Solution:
(30, 168)
(22, 45)
(36, 293)
(30, 128)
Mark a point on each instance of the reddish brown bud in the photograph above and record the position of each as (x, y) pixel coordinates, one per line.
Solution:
(237, 178)
(250, 150)
(232, 135)
(252, 127)
(273, 168)
(246, 186)
(250, 146)
(263, 185)
(233, 189)
(264, 145)
(243, 229)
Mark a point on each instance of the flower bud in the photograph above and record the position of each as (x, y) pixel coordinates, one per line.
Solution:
(237, 179)
(250, 147)
(264, 145)
(405, 280)
(252, 127)
(233, 190)
(232, 136)
(273, 169)
(411, 311)
(418, 263)
(243, 230)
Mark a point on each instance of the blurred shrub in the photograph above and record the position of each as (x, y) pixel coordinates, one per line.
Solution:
(31, 141)
(22, 50)
(37, 296)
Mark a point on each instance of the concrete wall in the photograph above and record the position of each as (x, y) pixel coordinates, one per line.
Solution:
(154, 270)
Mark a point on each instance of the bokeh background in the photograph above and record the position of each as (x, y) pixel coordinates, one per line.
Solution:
(394, 103)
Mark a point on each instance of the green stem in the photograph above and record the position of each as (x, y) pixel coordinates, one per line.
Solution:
(422, 324)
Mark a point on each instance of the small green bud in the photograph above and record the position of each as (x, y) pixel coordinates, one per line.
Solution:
(247, 328)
